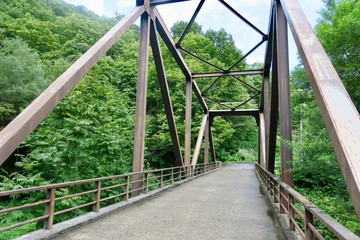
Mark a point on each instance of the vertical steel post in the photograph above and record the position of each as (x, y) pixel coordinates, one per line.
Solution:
(127, 187)
(146, 182)
(50, 208)
(188, 122)
(97, 196)
(262, 142)
(309, 219)
(206, 147)
(291, 212)
(282, 201)
(265, 104)
(211, 140)
(141, 93)
(161, 178)
(284, 97)
(274, 104)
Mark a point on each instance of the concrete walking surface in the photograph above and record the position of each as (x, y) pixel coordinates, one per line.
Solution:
(226, 204)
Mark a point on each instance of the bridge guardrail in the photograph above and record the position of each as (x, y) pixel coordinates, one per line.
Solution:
(122, 185)
(303, 220)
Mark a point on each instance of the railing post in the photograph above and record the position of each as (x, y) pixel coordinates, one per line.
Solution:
(309, 218)
(146, 182)
(275, 192)
(291, 212)
(50, 208)
(97, 196)
(127, 186)
(161, 178)
(282, 200)
(172, 176)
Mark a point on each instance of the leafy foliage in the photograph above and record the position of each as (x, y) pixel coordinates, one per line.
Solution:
(22, 77)
(338, 31)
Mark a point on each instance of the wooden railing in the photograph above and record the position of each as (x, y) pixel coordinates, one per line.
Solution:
(300, 211)
(94, 191)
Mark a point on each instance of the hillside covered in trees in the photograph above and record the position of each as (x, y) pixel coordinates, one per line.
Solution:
(90, 133)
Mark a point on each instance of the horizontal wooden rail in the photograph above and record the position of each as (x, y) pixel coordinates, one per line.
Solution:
(91, 192)
(306, 228)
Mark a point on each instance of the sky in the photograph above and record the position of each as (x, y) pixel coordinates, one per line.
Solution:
(215, 16)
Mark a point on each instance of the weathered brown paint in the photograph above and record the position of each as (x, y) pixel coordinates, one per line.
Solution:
(274, 104)
(341, 118)
(141, 95)
(199, 140)
(284, 97)
(188, 106)
(331, 224)
(228, 74)
(206, 140)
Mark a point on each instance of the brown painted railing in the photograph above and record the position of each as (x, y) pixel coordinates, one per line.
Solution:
(120, 184)
(300, 211)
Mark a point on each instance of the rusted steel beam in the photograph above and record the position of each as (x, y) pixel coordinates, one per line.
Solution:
(248, 100)
(241, 112)
(228, 74)
(199, 96)
(200, 59)
(211, 142)
(17, 131)
(211, 85)
(331, 224)
(284, 98)
(274, 106)
(339, 113)
(169, 42)
(265, 100)
(188, 107)
(197, 10)
(165, 93)
(242, 18)
(206, 140)
(267, 113)
(248, 53)
(262, 142)
(199, 140)
(141, 96)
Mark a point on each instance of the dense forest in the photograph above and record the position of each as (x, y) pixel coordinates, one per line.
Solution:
(90, 133)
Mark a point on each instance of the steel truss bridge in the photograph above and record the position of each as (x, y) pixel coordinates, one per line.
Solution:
(340, 116)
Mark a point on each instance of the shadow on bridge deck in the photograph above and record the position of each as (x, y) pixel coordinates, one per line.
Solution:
(226, 204)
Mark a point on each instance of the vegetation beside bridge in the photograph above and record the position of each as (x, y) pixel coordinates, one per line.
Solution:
(90, 134)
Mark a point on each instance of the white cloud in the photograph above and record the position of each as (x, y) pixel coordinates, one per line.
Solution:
(96, 6)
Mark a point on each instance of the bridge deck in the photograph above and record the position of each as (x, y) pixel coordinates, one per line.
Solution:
(226, 204)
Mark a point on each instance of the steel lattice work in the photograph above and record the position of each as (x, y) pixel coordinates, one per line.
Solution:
(341, 117)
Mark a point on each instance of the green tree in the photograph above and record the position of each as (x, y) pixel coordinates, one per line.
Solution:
(22, 77)
(179, 27)
(339, 34)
